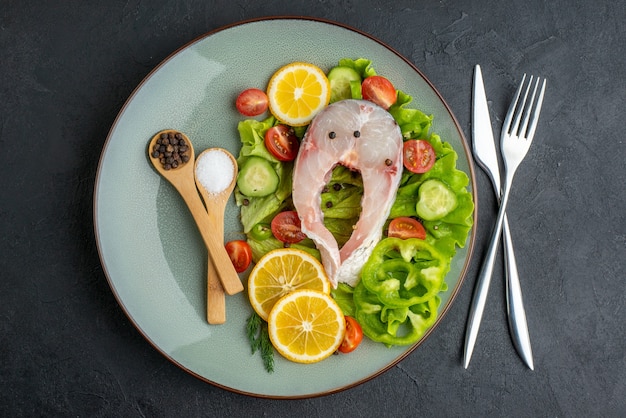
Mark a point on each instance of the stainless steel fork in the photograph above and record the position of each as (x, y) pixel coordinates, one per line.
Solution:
(517, 135)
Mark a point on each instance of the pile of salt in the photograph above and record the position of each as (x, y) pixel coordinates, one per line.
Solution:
(215, 171)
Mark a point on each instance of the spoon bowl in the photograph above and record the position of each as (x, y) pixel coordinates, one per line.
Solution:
(215, 203)
(178, 176)
(182, 178)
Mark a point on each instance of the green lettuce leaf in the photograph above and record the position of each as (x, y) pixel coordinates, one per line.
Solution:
(341, 203)
(262, 247)
(343, 295)
(360, 65)
(414, 123)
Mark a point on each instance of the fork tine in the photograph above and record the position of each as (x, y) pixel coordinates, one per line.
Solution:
(509, 114)
(527, 108)
(519, 111)
(535, 117)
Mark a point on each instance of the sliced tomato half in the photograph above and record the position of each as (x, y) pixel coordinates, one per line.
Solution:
(282, 142)
(418, 155)
(286, 227)
(353, 336)
(405, 227)
(240, 254)
(379, 90)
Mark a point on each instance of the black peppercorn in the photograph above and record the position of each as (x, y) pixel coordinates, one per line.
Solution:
(171, 150)
(332, 135)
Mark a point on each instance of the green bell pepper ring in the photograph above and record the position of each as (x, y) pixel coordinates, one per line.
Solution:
(261, 231)
(404, 272)
(393, 326)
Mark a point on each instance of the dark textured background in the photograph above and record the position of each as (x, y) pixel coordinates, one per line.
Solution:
(67, 349)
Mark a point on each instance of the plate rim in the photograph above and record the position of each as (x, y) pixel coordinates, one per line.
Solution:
(470, 243)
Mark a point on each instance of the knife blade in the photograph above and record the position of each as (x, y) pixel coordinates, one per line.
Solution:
(482, 135)
(486, 156)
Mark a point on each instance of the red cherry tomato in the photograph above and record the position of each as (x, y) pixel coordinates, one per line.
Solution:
(286, 227)
(419, 155)
(405, 227)
(282, 142)
(240, 254)
(379, 90)
(252, 102)
(354, 336)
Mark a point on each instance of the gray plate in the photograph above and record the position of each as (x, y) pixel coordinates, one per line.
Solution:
(152, 254)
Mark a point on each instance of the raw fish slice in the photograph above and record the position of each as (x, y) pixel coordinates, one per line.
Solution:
(361, 136)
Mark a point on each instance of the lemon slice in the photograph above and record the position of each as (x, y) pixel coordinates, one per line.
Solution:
(297, 92)
(280, 272)
(306, 326)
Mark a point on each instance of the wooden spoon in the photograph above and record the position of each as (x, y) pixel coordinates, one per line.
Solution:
(215, 205)
(182, 178)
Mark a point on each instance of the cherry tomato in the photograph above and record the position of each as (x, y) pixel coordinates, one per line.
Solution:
(286, 227)
(354, 336)
(240, 254)
(419, 155)
(252, 102)
(405, 227)
(379, 90)
(282, 142)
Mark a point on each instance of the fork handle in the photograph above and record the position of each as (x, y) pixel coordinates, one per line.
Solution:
(484, 279)
(514, 302)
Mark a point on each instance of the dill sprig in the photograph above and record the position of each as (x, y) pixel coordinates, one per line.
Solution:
(258, 335)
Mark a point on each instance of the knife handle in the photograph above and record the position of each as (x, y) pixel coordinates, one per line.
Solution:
(514, 302)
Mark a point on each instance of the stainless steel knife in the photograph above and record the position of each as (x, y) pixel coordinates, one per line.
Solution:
(486, 155)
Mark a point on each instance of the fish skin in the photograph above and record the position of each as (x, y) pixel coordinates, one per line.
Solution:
(376, 152)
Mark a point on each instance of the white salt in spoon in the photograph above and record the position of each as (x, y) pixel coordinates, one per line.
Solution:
(216, 176)
(182, 178)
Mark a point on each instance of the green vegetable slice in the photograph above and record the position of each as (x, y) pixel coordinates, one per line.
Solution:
(397, 298)
(261, 231)
(355, 90)
(435, 200)
(393, 326)
(404, 272)
(341, 79)
(257, 178)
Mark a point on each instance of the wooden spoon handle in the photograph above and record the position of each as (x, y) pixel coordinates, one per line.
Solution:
(216, 300)
(207, 227)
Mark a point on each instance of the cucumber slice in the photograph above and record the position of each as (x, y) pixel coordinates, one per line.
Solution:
(340, 79)
(355, 89)
(435, 200)
(257, 178)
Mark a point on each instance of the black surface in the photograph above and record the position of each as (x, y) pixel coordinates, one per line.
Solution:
(67, 348)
